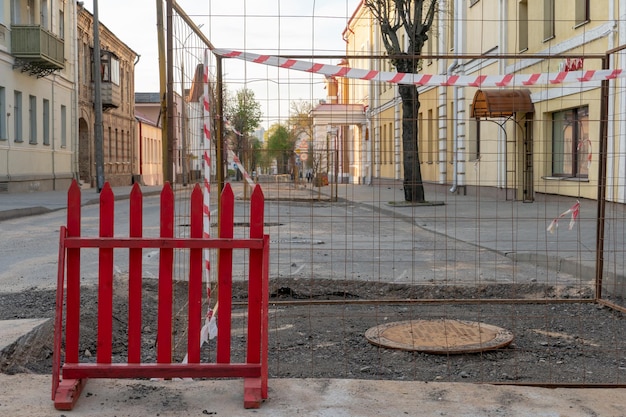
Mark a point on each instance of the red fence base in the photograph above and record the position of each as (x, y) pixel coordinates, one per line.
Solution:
(69, 379)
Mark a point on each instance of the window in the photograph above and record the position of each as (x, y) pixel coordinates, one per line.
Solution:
(30, 11)
(46, 122)
(431, 135)
(61, 24)
(110, 154)
(451, 26)
(383, 142)
(62, 19)
(582, 11)
(86, 58)
(3, 114)
(15, 12)
(548, 19)
(571, 147)
(44, 21)
(391, 144)
(63, 126)
(32, 120)
(523, 25)
(17, 115)
(473, 148)
(110, 68)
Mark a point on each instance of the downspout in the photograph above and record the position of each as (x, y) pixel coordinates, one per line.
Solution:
(442, 112)
(140, 151)
(8, 145)
(75, 150)
(54, 174)
(501, 148)
(443, 104)
(455, 97)
(621, 167)
(610, 151)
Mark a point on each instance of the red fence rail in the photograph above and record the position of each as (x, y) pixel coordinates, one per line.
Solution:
(69, 378)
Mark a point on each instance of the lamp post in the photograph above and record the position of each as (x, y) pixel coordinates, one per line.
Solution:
(98, 128)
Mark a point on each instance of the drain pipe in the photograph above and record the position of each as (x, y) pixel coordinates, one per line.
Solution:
(621, 163)
(455, 170)
(452, 67)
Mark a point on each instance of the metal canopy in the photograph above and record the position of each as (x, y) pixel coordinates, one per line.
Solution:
(501, 103)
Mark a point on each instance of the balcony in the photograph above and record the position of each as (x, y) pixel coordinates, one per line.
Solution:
(36, 50)
(111, 95)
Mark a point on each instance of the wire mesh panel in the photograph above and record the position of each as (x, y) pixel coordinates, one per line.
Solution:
(517, 161)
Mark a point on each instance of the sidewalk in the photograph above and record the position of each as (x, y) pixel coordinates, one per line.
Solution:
(27, 395)
(513, 228)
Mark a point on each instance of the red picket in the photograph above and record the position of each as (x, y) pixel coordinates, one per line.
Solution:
(134, 276)
(225, 273)
(105, 277)
(166, 263)
(69, 378)
(257, 327)
(195, 279)
(73, 275)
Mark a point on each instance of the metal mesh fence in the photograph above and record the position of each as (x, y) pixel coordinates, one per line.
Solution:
(492, 244)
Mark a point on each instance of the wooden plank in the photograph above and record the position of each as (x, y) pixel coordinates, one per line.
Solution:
(68, 393)
(265, 317)
(105, 277)
(72, 321)
(255, 278)
(134, 276)
(166, 262)
(195, 279)
(159, 243)
(225, 276)
(252, 392)
(58, 314)
(153, 370)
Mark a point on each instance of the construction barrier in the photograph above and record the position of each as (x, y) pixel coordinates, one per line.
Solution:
(69, 379)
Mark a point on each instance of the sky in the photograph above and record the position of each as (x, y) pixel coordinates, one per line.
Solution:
(305, 27)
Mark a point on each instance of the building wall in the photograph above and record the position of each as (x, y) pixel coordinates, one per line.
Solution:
(150, 153)
(119, 135)
(457, 150)
(42, 157)
(593, 36)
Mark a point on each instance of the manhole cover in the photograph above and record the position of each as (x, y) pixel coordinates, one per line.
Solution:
(439, 336)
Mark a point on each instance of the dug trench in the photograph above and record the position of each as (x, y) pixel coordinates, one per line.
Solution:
(317, 327)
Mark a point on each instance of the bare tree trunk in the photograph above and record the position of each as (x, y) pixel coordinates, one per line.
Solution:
(413, 185)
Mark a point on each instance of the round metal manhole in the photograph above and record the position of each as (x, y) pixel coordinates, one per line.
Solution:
(439, 336)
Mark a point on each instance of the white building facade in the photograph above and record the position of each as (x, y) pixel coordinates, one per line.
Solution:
(37, 95)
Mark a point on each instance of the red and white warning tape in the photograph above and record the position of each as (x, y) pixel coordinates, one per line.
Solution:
(209, 330)
(574, 210)
(506, 80)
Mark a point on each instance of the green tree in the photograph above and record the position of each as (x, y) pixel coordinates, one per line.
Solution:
(280, 146)
(415, 19)
(300, 124)
(243, 114)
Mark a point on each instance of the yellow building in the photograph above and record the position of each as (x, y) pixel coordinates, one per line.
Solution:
(519, 138)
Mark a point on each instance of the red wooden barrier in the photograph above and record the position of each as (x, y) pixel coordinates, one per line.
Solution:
(68, 379)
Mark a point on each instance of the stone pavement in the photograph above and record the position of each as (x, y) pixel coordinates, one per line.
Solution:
(491, 221)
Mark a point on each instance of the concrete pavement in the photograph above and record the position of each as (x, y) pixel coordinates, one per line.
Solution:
(491, 221)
